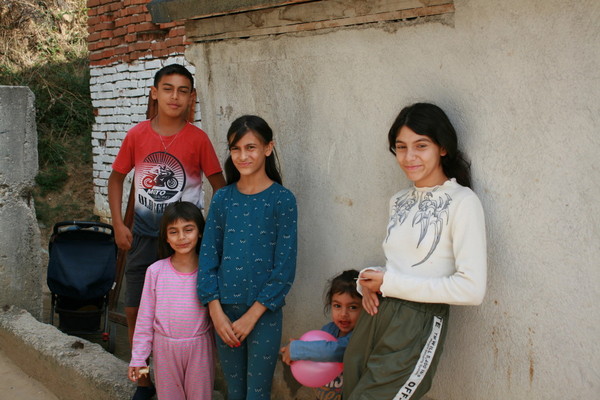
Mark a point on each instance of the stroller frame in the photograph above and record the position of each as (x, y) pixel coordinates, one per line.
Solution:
(80, 297)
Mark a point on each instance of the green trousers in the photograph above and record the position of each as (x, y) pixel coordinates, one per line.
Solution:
(394, 354)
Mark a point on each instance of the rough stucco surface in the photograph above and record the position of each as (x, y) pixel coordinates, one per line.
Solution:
(20, 262)
(520, 81)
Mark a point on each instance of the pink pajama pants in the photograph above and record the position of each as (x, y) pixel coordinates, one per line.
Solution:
(183, 368)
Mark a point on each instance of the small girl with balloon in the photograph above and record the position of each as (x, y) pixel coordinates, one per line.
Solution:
(316, 359)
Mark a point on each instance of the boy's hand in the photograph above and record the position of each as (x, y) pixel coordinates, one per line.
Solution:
(123, 237)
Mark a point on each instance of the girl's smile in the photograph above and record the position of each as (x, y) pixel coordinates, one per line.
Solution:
(249, 155)
(420, 158)
(345, 310)
(183, 236)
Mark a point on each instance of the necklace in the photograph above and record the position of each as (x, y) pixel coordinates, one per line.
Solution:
(170, 143)
(165, 146)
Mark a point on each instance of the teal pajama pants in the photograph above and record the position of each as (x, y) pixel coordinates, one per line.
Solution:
(248, 369)
(394, 354)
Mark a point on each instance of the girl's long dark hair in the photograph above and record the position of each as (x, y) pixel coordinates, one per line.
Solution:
(430, 120)
(181, 210)
(257, 125)
(345, 282)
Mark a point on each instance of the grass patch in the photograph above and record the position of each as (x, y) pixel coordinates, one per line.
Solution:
(43, 46)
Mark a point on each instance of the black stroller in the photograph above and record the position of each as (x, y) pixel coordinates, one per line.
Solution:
(81, 273)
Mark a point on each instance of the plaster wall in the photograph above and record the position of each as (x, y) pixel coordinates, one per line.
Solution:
(20, 259)
(520, 82)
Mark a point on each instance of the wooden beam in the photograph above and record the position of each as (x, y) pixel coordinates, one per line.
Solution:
(310, 16)
(117, 317)
(172, 10)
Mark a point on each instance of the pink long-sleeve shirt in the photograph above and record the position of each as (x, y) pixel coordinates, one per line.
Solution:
(170, 307)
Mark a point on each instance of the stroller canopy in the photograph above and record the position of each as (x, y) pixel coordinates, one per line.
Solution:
(82, 260)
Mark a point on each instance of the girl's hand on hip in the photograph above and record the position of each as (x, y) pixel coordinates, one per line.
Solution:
(371, 282)
(222, 324)
(370, 301)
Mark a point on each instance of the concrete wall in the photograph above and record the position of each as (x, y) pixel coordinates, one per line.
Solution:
(520, 81)
(20, 261)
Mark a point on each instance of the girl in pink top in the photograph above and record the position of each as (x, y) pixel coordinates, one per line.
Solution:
(172, 324)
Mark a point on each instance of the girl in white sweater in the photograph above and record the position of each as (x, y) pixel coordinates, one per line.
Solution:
(435, 251)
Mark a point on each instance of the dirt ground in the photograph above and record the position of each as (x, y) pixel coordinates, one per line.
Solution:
(16, 384)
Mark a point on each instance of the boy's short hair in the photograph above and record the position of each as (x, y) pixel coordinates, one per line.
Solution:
(173, 69)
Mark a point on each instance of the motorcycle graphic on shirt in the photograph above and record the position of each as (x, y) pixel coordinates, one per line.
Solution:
(160, 180)
(162, 177)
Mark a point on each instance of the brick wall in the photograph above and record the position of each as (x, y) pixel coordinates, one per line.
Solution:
(122, 31)
(126, 49)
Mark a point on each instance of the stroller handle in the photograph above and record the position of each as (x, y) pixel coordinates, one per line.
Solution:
(83, 225)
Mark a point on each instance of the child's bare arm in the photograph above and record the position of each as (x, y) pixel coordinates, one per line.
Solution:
(123, 236)
(217, 181)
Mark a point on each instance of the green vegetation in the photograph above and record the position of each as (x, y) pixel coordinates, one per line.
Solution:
(43, 46)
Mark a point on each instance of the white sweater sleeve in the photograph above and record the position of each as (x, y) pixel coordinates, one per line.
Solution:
(468, 284)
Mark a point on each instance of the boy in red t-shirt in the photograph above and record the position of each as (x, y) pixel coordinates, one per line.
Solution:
(169, 155)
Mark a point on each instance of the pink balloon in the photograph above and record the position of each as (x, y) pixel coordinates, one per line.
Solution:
(311, 336)
(316, 373)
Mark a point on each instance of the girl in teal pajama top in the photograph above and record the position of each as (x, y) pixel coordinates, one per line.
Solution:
(248, 260)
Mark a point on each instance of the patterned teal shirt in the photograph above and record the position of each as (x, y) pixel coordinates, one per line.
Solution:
(249, 247)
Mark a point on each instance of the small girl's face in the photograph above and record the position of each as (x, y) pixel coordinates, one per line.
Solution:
(183, 236)
(249, 154)
(345, 310)
(420, 158)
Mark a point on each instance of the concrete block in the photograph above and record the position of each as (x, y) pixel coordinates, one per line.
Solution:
(137, 66)
(18, 135)
(137, 92)
(113, 143)
(71, 367)
(20, 259)
(153, 64)
(112, 136)
(113, 151)
(99, 182)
